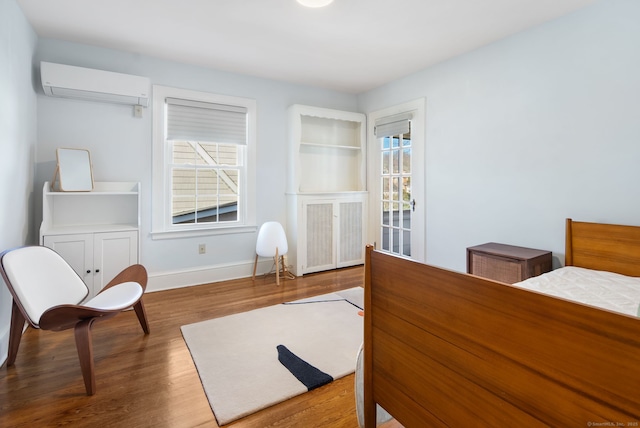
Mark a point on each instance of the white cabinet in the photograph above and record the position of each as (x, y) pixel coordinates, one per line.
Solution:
(326, 195)
(96, 257)
(96, 232)
(328, 231)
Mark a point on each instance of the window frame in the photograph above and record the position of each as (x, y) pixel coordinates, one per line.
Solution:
(162, 226)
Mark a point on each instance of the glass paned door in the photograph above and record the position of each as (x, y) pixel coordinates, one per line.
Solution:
(396, 202)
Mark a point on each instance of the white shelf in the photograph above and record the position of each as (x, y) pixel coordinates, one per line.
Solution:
(91, 228)
(330, 146)
(327, 150)
(100, 188)
(111, 206)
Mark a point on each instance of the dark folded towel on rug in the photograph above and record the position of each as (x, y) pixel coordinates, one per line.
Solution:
(310, 376)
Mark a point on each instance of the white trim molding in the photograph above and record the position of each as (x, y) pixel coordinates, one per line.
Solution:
(169, 280)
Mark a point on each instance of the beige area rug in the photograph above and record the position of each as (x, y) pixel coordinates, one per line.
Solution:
(238, 357)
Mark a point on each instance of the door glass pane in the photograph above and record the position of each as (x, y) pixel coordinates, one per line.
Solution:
(406, 189)
(406, 247)
(394, 190)
(385, 162)
(396, 161)
(385, 213)
(406, 160)
(396, 215)
(406, 216)
(386, 182)
(396, 208)
(395, 245)
(385, 238)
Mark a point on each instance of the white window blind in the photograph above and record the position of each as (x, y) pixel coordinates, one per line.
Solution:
(205, 122)
(393, 125)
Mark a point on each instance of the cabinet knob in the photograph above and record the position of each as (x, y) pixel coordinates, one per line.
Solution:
(88, 270)
(97, 270)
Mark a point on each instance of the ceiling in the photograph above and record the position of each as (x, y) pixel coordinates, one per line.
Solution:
(350, 45)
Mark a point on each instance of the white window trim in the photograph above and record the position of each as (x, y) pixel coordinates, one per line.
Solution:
(161, 227)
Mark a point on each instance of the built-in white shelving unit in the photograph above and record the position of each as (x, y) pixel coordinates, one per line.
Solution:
(96, 232)
(326, 191)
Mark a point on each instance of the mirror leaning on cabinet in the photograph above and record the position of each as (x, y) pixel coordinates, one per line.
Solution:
(73, 171)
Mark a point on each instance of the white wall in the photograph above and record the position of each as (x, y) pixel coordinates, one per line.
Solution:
(17, 142)
(520, 134)
(530, 130)
(120, 147)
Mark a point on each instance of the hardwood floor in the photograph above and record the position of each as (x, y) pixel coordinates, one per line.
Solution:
(151, 381)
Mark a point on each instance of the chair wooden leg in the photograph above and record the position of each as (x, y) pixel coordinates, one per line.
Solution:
(277, 268)
(255, 266)
(142, 316)
(85, 354)
(15, 333)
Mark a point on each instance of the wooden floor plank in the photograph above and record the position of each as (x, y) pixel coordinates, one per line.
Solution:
(151, 381)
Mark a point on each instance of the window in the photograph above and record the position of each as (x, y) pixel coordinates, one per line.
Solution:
(203, 169)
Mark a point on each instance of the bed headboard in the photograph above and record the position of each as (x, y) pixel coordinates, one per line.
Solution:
(443, 348)
(599, 246)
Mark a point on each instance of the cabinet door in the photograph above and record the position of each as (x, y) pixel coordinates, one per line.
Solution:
(112, 252)
(350, 233)
(319, 227)
(77, 250)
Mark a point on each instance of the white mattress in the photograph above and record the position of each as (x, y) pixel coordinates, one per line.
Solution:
(606, 290)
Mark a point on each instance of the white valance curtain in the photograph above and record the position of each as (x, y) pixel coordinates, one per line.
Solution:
(206, 122)
(393, 125)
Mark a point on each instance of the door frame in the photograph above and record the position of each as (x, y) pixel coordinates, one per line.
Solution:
(418, 176)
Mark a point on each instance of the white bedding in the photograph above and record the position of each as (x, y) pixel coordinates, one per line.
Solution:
(606, 290)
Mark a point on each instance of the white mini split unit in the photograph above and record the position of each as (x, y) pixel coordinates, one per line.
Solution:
(68, 81)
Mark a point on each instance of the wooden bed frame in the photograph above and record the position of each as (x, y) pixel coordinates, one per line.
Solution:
(443, 348)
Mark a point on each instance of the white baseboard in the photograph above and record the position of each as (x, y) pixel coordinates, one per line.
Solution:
(168, 280)
(176, 279)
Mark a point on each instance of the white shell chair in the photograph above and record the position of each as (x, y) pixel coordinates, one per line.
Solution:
(48, 293)
(272, 242)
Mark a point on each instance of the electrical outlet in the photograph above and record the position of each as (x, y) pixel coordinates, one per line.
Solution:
(202, 248)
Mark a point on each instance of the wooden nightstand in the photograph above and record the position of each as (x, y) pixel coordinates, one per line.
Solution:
(507, 263)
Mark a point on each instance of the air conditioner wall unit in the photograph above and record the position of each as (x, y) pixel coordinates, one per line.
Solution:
(67, 81)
